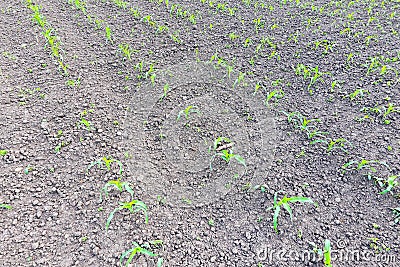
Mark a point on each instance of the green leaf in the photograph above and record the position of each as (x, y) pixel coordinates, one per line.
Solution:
(300, 199)
(147, 252)
(3, 152)
(123, 255)
(289, 210)
(240, 160)
(160, 262)
(111, 216)
(6, 206)
(276, 214)
(129, 189)
(133, 253)
(327, 253)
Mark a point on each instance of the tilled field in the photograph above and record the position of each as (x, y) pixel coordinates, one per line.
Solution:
(199, 133)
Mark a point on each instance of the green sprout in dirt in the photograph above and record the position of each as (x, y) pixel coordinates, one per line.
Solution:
(300, 121)
(371, 166)
(118, 185)
(284, 202)
(358, 93)
(165, 91)
(223, 147)
(333, 144)
(145, 74)
(239, 79)
(312, 74)
(106, 162)
(133, 206)
(390, 183)
(53, 41)
(80, 5)
(383, 111)
(3, 152)
(73, 83)
(127, 51)
(363, 164)
(377, 245)
(108, 35)
(120, 3)
(141, 249)
(60, 145)
(5, 206)
(325, 254)
(187, 111)
(275, 94)
(83, 121)
(396, 214)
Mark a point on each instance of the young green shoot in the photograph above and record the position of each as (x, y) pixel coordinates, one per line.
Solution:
(284, 202)
(141, 249)
(187, 111)
(133, 206)
(118, 185)
(106, 162)
(5, 206)
(223, 147)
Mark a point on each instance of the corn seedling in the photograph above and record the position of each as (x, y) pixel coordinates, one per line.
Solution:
(133, 206)
(53, 41)
(83, 121)
(141, 249)
(60, 145)
(390, 183)
(396, 214)
(382, 111)
(80, 5)
(363, 164)
(5, 206)
(120, 3)
(106, 162)
(73, 83)
(127, 51)
(327, 45)
(3, 152)
(145, 72)
(377, 246)
(165, 92)
(276, 94)
(187, 111)
(108, 34)
(259, 23)
(333, 144)
(327, 253)
(358, 93)
(118, 185)
(239, 79)
(301, 122)
(312, 74)
(223, 147)
(284, 202)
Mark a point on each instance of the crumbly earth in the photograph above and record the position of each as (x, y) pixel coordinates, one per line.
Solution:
(205, 215)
